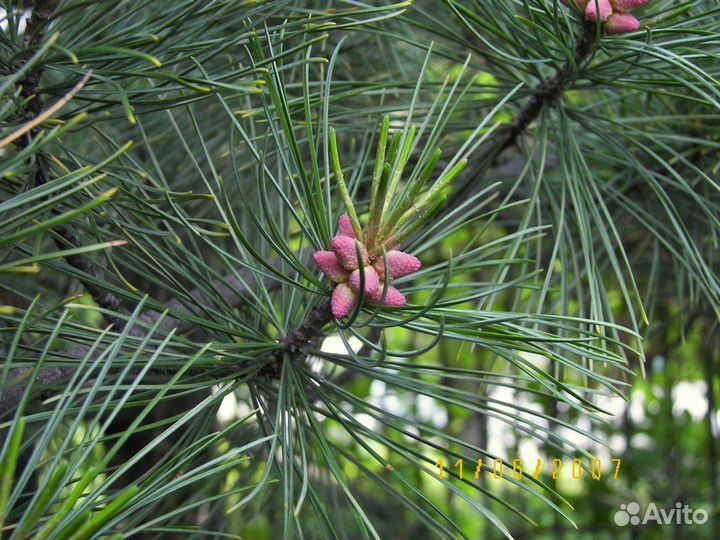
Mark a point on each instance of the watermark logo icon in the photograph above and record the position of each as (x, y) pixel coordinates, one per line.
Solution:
(680, 514)
(628, 513)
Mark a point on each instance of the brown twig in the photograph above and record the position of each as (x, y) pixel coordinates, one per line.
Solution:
(65, 238)
(231, 288)
(297, 342)
(36, 28)
(34, 35)
(547, 93)
(550, 90)
(11, 395)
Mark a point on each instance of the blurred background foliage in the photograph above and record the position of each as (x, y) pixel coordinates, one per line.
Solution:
(583, 238)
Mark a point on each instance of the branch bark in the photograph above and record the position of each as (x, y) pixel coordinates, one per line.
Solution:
(34, 34)
(547, 93)
(36, 30)
(230, 287)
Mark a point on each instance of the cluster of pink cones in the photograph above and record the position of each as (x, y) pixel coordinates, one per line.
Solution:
(343, 266)
(614, 14)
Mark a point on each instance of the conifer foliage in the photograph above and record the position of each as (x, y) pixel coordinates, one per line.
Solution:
(224, 225)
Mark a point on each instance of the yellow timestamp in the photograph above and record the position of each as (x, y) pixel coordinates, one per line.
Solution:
(579, 468)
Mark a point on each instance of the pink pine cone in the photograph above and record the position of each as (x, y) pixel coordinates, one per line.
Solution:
(603, 8)
(401, 264)
(622, 23)
(342, 266)
(331, 267)
(394, 298)
(345, 227)
(344, 249)
(627, 5)
(371, 279)
(342, 301)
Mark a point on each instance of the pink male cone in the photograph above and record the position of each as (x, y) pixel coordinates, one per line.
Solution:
(394, 297)
(627, 5)
(342, 301)
(345, 227)
(344, 249)
(402, 264)
(331, 267)
(621, 23)
(603, 7)
(371, 279)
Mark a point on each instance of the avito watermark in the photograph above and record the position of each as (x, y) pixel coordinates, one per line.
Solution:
(680, 514)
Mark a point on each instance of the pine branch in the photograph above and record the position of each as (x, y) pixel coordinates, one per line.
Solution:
(295, 344)
(18, 379)
(36, 28)
(83, 263)
(549, 91)
(34, 34)
(546, 94)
